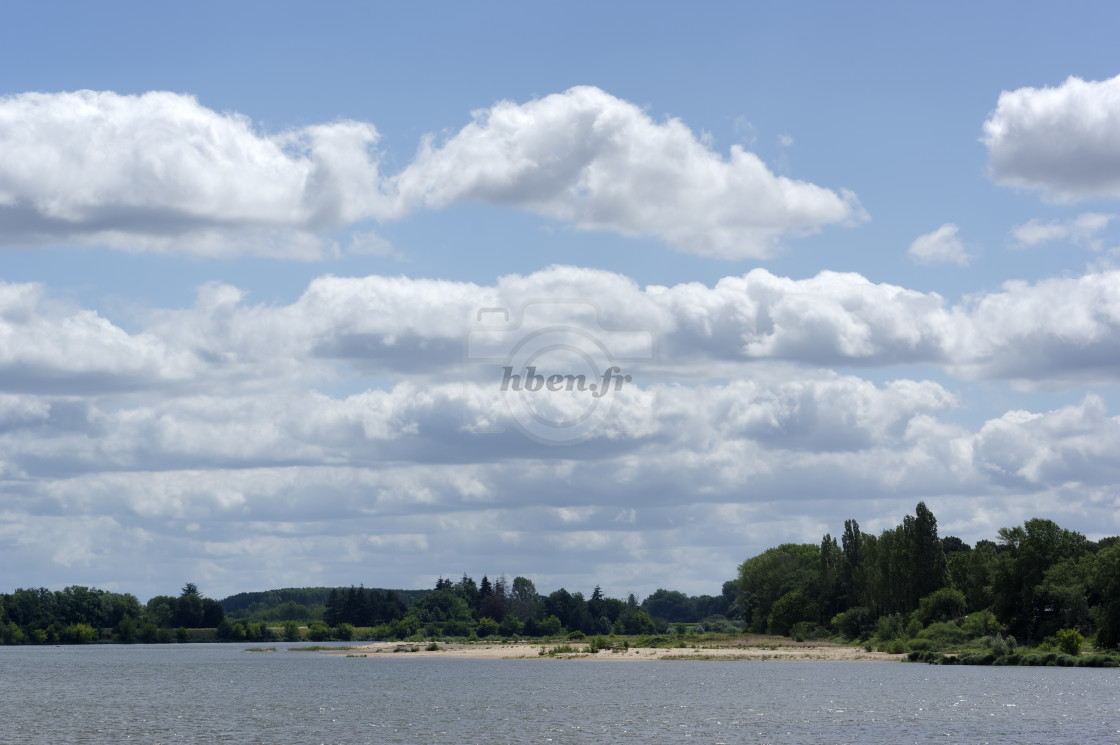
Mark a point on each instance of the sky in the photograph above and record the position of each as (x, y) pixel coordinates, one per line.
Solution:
(298, 295)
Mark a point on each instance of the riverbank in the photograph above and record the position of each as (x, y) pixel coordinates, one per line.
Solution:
(801, 651)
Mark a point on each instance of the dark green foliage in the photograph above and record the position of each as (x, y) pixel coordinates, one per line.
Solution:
(942, 605)
(776, 572)
(634, 620)
(789, 609)
(671, 606)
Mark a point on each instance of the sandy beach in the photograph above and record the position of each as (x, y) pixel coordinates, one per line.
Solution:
(776, 650)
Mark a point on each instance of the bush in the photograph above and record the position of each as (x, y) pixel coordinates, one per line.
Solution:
(853, 623)
(1069, 641)
(345, 632)
(889, 628)
(577, 635)
(943, 605)
(318, 631)
(598, 642)
(981, 623)
(943, 634)
(549, 626)
(487, 627)
(997, 645)
(511, 626)
(803, 630)
(291, 631)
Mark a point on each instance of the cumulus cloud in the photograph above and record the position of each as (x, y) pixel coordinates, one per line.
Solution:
(939, 247)
(334, 428)
(586, 157)
(1056, 332)
(1083, 230)
(730, 467)
(1063, 141)
(160, 172)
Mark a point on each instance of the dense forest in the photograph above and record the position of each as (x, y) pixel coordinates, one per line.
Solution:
(907, 585)
(905, 589)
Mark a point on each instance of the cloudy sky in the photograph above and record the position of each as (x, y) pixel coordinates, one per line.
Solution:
(262, 268)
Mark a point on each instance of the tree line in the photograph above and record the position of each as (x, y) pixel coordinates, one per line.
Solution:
(1030, 582)
(79, 614)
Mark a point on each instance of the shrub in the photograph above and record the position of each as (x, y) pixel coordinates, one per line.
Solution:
(487, 627)
(345, 632)
(1069, 641)
(318, 631)
(997, 645)
(981, 623)
(888, 628)
(577, 635)
(853, 623)
(943, 605)
(511, 626)
(291, 631)
(943, 634)
(803, 630)
(597, 642)
(549, 626)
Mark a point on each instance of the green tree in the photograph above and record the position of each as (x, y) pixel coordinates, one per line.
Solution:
(789, 609)
(670, 605)
(942, 605)
(775, 572)
(1105, 583)
(524, 600)
(1020, 567)
(928, 570)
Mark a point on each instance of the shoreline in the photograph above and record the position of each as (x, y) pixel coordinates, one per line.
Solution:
(804, 651)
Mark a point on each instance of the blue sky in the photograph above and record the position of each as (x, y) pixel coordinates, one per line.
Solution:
(875, 245)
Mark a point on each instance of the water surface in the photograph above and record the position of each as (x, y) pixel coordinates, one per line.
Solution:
(221, 693)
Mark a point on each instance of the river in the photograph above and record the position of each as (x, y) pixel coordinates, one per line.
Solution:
(222, 693)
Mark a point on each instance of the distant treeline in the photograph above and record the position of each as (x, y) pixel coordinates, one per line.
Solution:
(906, 589)
(908, 583)
(300, 603)
(78, 615)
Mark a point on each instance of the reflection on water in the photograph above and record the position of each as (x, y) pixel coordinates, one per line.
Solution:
(219, 693)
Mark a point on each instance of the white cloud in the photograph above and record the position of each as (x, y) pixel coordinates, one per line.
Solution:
(160, 172)
(939, 247)
(597, 161)
(1064, 141)
(1083, 230)
(1056, 332)
(215, 432)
